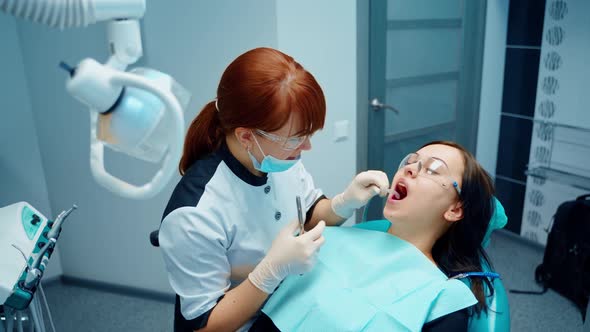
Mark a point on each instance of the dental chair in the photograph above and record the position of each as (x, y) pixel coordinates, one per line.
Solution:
(497, 318)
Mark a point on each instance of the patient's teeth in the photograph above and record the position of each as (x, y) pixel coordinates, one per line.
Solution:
(396, 195)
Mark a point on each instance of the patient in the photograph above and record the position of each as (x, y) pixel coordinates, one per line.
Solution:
(438, 211)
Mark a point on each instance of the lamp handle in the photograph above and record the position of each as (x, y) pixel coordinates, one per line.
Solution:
(161, 178)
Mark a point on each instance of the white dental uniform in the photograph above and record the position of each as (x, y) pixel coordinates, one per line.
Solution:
(219, 223)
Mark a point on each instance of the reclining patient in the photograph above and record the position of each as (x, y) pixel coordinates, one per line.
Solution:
(402, 273)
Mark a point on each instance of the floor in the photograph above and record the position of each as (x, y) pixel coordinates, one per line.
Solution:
(76, 308)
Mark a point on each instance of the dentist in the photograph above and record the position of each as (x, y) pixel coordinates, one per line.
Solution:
(229, 234)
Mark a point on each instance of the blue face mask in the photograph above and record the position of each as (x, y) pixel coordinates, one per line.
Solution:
(271, 164)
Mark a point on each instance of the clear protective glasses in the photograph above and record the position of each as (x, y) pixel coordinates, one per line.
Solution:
(432, 168)
(287, 143)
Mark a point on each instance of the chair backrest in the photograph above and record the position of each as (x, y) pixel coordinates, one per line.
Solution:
(154, 238)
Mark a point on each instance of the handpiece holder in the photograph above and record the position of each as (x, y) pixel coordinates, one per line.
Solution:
(34, 272)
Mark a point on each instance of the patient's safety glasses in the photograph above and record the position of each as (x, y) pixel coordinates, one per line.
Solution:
(432, 168)
(288, 143)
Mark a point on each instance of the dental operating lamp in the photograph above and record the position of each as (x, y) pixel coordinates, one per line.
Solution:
(137, 112)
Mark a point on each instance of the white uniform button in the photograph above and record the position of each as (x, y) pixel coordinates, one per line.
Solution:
(266, 189)
(277, 215)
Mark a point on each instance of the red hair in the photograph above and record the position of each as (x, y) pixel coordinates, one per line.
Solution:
(259, 89)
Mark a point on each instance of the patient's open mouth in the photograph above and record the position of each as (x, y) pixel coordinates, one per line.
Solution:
(400, 191)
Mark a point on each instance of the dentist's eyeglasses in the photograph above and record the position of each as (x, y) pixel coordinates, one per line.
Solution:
(288, 143)
(432, 168)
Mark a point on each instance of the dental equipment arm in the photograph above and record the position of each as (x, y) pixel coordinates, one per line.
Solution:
(74, 13)
(147, 128)
(25, 229)
(27, 241)
(35, 274)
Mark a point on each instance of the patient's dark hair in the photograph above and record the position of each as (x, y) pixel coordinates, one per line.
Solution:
(460, 248)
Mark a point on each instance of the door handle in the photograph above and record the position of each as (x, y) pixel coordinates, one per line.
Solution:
(377, 105)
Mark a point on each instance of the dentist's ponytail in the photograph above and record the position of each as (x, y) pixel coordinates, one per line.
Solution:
(204, 136)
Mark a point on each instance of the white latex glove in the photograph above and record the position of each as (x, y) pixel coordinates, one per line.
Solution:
(288, 254)
(362, 188)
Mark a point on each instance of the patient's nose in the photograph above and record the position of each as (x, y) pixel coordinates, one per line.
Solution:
(412, 169)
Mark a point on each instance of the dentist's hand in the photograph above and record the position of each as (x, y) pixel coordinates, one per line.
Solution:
(289, 254)
(362, 188)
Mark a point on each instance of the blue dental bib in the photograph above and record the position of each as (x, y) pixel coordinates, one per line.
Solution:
(366, 280)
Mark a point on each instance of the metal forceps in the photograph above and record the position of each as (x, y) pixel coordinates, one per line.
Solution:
(300, 215)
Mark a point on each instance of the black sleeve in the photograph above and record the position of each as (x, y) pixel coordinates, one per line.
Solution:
(309, 212)
(263, 324)
(181, 324)
(455, 322)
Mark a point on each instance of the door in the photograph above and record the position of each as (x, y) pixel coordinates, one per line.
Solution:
(425, 61)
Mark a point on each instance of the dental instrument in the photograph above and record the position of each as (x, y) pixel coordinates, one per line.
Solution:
(56, 228)
(300, 215)
(34, 273)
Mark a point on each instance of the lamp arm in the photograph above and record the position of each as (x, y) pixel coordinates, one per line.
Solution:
(73, 13)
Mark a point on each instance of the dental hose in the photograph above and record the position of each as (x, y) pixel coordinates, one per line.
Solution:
(56, 14)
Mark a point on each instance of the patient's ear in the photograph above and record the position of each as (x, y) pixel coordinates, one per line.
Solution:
(454, 212)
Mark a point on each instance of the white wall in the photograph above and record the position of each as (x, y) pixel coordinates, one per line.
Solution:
(21, 172)
(492, 83)
(107, 238)
(192, 41)
(321, 35)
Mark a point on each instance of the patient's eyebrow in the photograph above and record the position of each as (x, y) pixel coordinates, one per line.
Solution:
(437, 158)
(440, 161)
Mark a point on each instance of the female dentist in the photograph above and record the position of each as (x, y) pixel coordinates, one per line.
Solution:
(229, 233)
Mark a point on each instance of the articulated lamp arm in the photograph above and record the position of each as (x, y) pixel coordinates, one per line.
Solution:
(103, 87)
